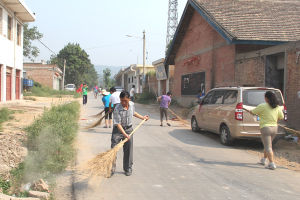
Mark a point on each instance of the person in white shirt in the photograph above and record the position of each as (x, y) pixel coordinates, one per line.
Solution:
(132, 92)
(114, 99)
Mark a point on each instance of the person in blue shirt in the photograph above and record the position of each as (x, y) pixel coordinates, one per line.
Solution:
(108, 117)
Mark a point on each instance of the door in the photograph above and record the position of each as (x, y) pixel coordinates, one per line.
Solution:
(8, 84)
(18, 78)
(202, 114)
(216, 112)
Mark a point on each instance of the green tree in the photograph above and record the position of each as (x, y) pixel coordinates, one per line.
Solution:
(30, 34)
(106, 77)
(79, 68)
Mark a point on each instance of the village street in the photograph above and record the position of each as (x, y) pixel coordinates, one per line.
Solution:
(176, 163)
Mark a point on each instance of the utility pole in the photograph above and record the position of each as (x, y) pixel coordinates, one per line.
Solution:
(63, 82)
(144, 57)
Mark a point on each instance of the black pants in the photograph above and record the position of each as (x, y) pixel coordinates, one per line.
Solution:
(84, 99)
(117, 137)
(108, 115)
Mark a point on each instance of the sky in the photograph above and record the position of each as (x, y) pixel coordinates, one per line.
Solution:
(101, 26)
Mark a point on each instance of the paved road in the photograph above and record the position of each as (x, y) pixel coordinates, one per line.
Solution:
(175, 163)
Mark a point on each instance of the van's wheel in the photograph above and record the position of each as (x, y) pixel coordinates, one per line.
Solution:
(194, 125)
(225, 136)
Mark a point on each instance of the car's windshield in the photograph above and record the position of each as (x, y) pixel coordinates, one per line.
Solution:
(70, 86)
(256, 97)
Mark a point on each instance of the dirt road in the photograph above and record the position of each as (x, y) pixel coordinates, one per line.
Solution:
(175, 163)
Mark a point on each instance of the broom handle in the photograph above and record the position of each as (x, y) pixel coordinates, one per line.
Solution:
(136, 128)
(286, 128)
(177, 116)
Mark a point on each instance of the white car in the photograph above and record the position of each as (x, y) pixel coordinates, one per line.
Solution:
(70, 87)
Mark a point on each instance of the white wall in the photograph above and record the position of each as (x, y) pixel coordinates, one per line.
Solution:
(11, 54)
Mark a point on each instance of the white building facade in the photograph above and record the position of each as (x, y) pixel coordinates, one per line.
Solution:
(13, 14)
(133, 75)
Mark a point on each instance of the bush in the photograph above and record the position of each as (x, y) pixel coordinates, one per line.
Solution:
(5, 115)
(50, 141)
(145, 97)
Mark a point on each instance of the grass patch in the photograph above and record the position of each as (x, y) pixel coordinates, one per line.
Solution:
(29, 98)
(5, 115)
(41, 91)
(50, 146)
(145, 98)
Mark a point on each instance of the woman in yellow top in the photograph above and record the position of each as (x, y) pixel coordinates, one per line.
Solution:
(269, 114)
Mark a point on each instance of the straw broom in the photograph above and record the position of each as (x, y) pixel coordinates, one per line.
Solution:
(97, 123)
(286, 128)
(102, 164)
(99, 114)
(180, 119)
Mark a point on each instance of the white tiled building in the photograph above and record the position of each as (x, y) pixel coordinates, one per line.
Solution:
(13, 14)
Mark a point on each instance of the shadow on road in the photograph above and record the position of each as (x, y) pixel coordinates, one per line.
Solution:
(205, 138)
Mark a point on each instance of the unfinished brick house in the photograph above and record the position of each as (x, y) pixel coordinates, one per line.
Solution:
(211, 45)
(46, 74)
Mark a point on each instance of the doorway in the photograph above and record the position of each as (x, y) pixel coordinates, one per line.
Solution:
(274, 71)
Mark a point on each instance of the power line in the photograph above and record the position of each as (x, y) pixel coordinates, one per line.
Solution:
(47, 47)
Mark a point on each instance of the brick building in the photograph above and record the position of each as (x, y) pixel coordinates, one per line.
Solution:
(13, 14)
(46, 74)
(213, 37)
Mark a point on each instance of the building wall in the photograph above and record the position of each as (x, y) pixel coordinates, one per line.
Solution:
(44, 76)
(293, 87)
(250, 72)
(213, 56)
(11, 54)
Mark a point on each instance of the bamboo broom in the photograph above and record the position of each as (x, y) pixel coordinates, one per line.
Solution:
(102, 164)
(286, 128)
(180, 119)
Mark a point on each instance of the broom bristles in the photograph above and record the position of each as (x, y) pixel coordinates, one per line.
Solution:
(99, 114)
(97, 123)
(101, 165)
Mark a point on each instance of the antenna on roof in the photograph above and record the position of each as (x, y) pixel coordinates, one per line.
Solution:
(172, 20)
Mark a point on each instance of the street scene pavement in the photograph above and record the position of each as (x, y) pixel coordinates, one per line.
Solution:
(176, 163)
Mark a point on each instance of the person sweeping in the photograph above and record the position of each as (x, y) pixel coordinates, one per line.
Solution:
(165, 101)
(108, 115)
(269, 114)
(122, 127)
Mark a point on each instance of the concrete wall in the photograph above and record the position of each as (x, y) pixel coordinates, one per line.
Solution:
(11, 54)
(214, 57)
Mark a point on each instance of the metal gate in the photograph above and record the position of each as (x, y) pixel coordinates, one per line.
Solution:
(18, 84)
(8, 84)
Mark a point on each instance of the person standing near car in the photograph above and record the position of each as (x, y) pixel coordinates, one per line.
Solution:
(269, 114)
(165, 101)
(108, 115)
(85, 92)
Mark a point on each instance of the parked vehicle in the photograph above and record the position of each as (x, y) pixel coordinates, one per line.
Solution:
(221, 111)
(70, 87)
(119, 88)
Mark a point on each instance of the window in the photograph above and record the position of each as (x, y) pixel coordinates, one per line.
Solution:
(18, 34)
(128, 80)
(191, 84)
(1, 21)
(230, 97)
(217, 98)
(131, 79)
(9, 28)
(207, 98)
(256, 97)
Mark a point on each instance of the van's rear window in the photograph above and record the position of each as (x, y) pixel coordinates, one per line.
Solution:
(256, 97)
